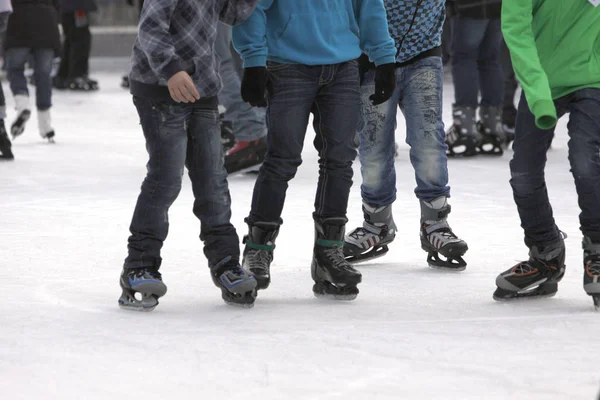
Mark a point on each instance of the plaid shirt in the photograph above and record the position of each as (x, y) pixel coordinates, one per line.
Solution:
(179, 35)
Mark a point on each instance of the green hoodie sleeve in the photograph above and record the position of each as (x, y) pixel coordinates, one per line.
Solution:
(517, 18)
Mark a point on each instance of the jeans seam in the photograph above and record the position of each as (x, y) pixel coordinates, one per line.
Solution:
(324, 157)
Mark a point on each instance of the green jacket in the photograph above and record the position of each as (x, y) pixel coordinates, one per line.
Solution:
(555, 49)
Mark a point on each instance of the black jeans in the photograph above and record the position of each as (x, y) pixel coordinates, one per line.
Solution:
(332, 94)
(179, 135)
(76, 46)
(529, 161)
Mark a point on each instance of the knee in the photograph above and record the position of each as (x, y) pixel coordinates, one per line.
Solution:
(282, 168)
(585, 163)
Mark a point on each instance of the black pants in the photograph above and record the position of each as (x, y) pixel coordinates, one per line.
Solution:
(510, 80)
(76, 47)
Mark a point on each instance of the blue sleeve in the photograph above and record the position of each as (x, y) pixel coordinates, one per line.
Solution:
(250, 37)
(375, 39)
(234, 12)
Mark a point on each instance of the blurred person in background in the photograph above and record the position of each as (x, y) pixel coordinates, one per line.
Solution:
(132, 3)
(476, 69)
(74, 65)
(5, 145)
(32, 34)
(509, 111)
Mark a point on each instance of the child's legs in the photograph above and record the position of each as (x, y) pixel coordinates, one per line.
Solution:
(528, 179)
(16, 58)
(165, 130)
(336, 113)
(42, 60)
(212, 204)
(292, 91)
(491, 78)
(584, 149)
(377, 145)
(421, 104)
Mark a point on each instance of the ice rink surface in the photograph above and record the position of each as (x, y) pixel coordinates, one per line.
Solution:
(413, 332)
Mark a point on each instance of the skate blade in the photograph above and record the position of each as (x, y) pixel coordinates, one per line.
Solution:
(455, 263)
(326, 290)
(129, 303)
(546, 290)
(447, 268)
(245, 300)
(596, 299)
(336, 297)
(372, 254)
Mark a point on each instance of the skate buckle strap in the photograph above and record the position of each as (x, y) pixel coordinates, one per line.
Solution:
(436, 225)
(330, 243)
(257, 246)
(374, 229)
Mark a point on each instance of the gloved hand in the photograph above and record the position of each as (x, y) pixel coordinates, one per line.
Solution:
(254, 86)
(385, 83)
(364, 65)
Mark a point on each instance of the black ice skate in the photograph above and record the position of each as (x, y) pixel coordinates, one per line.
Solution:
(462, 138)
(536, 277)
(238, 287)
(23, 115)
(437, 237)
(334, 276)
(258, 252)
(82, 84)
(370, 241)
(591, 265)
(142, 288)
(5, 145)
(246, 155)
(490, 128)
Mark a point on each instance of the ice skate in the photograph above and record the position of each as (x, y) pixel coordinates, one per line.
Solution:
(5, 144)
(82, 84)
(371, 240)
(238, 287)
(334, 277)
(536, 277)
(23, 115)
(142, 287)
(45, 125)
(246, 155)
(591, 265)
(462, 138)
(258, 252)
(437, 237)
(490, 128)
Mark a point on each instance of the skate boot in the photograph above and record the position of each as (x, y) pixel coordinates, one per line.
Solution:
(5, 145)
(238, 287)
(490, 128)
(23, 115)
(45, 125)
(591, 275)
(370, 241)
(60, 83)
(437, 237)
(536, 277)
(509, 122)
(258, 253)
(244, 156)
(141, 288)
(334, 276)
(462, 138)
(82, 84)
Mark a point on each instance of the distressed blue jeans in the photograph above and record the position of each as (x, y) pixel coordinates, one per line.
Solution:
(331, 93)
(418, 94)
(178, 136)
(529, 161)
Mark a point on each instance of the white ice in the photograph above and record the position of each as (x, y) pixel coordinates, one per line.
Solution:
(413, 332)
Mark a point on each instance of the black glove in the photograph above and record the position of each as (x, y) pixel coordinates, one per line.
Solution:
(385, 83)
(254, 86)
(364, 65)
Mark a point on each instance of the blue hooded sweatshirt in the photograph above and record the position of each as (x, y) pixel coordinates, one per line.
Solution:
(315, 32)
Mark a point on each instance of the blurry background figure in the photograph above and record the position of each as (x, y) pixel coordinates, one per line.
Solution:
(476, 68)
(509, 111)
(245, 122)
(32, 36)
(132, 3)
(5, 145)
(74, 66)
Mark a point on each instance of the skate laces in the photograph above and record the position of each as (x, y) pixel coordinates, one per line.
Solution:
(336, 255)
(141, 272)
(592, 264)
(359, 233)
(259, 259)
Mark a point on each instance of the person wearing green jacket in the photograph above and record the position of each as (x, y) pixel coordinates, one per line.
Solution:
(555, 49)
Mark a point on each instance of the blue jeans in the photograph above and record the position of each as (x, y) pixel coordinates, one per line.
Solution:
(248, 122)
(331, 93)
(419, 95)
(179, 135)
(476, 62)
(529, 161)
(16, 58)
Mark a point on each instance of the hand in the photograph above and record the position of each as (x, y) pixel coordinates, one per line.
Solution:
(364, 65)
(254, 86)
(385, 83)
(182, 88)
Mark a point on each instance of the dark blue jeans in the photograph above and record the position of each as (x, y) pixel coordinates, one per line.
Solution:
(179, 135)
(16, 58)
(332, 94)
(529, 160)
(476, 62)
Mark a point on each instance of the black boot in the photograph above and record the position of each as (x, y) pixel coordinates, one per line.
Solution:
(333, 275)
(258, 252)
(5, 145)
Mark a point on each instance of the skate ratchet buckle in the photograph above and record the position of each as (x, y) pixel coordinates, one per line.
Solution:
(141, 289)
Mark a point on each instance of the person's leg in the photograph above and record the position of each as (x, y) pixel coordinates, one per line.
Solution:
(16, 58)
(467, 36)
(489, 67)
(67, 21)
(509, 111)
(166, 137)
(43, 90)
(5, 144)
(81, 45)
